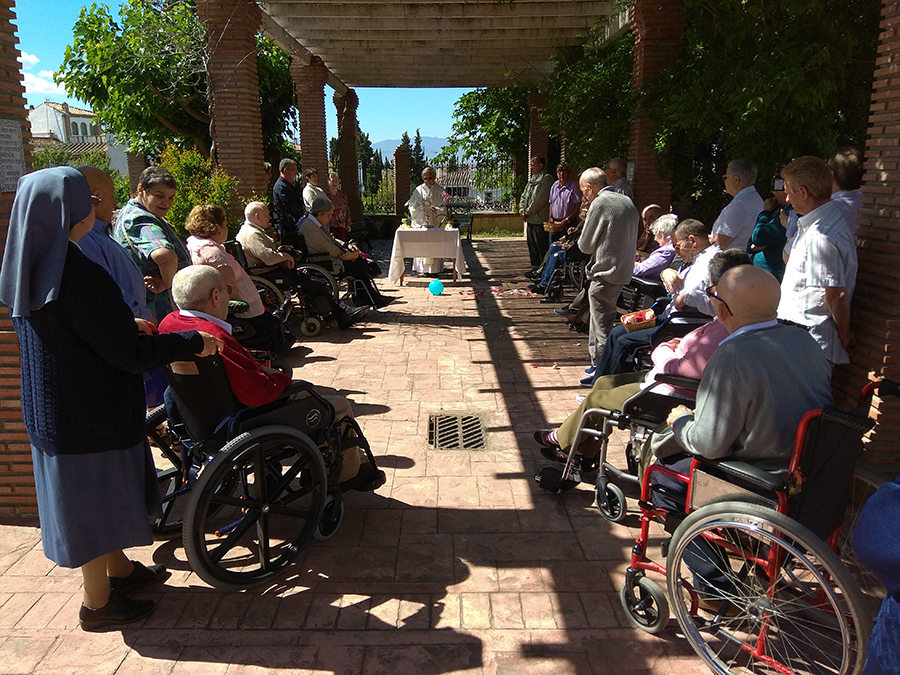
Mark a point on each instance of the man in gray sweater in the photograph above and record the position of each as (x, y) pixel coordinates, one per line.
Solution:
(609, 236)
(757, 386)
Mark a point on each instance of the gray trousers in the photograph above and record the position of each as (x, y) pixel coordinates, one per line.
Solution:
(602, 297)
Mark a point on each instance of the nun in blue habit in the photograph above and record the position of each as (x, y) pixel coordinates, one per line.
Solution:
(82, 395)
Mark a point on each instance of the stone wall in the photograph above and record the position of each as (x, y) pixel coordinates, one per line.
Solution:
(17, 494)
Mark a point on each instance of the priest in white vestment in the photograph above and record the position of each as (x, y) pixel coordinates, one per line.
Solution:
(426, 210)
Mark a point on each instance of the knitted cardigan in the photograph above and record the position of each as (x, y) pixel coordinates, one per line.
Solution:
(609, 235)
(82, 359)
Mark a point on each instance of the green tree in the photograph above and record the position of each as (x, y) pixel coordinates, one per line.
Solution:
(334, 153)
(589, 99)
(489, 124)
(405, 141)
(198, 183)
(145, 76)
(44, 159)
(788, 77)
(417, 160)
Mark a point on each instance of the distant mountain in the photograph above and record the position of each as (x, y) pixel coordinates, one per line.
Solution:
(431, 144)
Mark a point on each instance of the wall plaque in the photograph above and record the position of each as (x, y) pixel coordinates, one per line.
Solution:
(12, 154)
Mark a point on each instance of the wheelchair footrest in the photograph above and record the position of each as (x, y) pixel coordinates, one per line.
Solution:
(368, 479)
(550, 479)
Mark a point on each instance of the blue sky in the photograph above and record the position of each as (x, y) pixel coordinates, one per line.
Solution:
(45, 28)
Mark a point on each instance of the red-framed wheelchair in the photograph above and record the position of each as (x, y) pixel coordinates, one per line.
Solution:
(751, 581)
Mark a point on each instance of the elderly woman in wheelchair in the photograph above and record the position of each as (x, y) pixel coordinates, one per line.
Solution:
(266, 459)
(756, 479)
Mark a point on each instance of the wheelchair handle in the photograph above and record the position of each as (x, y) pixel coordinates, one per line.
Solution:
(888, 388)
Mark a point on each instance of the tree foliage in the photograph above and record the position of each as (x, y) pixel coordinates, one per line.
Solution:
(589, 100)
(489, 125)
(146, 76)
(766, 80)
(417, 160)
(198, 183)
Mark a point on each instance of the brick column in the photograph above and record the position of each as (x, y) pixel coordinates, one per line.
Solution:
(17, 494)
(136, 165)
(402, 186)
(309, 82)
(875, 318)
(346, 105)
(538, 138)
(234, 90)
(657, 26)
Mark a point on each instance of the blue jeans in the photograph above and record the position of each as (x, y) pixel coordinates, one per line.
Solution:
(555, 258)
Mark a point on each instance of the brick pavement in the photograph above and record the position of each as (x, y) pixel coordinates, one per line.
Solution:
(458, 564)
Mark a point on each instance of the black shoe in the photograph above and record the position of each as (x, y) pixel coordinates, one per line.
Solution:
(537, 288)
(554, 454)
(383, 301)
(140, 576)
(542, 436)
(352, 315)
(120, 609)
(562, 311)
(532, 274)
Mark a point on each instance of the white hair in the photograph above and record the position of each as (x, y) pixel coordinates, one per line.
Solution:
(253, 208)
(618, 165)
(593, 176)
(321, 204)
(666, 224)
(192, 286)
(745, 169)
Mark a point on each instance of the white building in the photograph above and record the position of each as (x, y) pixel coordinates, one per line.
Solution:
(77, 129)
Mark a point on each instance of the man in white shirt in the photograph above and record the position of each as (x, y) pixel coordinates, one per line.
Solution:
(847, 168)
(821, 272)
(736, 221)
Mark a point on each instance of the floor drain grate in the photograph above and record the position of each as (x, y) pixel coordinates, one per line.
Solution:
(456, 432)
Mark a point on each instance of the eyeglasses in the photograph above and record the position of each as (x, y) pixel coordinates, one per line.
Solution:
(95, 200)
(681, 244)
(710, 293)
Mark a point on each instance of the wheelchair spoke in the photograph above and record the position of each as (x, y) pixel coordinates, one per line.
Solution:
(235, 532)
(262, 537)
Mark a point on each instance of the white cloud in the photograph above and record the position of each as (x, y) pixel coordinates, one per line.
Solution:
(41, 85)
(46, 74)
(28, 60)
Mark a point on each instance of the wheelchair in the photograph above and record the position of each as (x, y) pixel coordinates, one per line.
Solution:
(279, 291)
(749, 576)
(249, 488)
(355, 288)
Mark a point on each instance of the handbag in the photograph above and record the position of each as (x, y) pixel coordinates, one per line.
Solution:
(552, 226)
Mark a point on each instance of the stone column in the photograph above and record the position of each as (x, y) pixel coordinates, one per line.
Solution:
(234, 91)
(538, 138)
(136, 165)
(17, 496)
(346, 105)
(310, 84)
(657, 26)
(402, 186)
(875, 319)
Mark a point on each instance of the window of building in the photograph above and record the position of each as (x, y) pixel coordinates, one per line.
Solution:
(84, 129)
(74, 128)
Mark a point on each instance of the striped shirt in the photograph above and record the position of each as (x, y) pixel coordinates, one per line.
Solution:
(823, 255)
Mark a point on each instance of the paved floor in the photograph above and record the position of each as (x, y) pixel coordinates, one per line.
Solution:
(458, 564)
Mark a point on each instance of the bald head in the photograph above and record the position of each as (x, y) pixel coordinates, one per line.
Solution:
(101, 186)
(752, 295)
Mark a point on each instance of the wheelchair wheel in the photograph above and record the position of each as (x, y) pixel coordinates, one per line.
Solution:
(321, 275)
(310, 326)
(245, 537)
(645, 603)
(790, 604)
(610, 501)
(271, 296)
(332, 517)
(864, 484)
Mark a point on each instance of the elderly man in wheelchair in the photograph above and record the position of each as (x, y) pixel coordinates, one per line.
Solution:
(748, 485)
(265, 458)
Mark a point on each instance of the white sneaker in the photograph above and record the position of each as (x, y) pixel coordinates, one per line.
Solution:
(580, 399)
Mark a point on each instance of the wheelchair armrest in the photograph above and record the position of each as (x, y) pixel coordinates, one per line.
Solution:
(772, 481)
(678, 381)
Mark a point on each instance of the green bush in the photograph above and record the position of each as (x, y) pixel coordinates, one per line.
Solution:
(198, 183)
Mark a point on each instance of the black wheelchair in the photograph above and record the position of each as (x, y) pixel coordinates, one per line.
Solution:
(249, 488)
(754, 566)
(281, 294)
